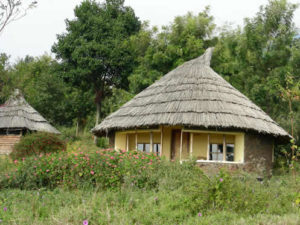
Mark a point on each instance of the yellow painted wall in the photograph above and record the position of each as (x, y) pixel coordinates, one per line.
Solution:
(167, 136)
(200, 146)
(145, 137)
(216, 138)
(239, 148)
(120, 141)
(131, 138)
(200, 142)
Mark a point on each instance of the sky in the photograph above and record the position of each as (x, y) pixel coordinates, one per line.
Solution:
(35, 33)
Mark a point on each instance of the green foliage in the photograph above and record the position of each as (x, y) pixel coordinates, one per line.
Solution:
(257, 58)
(37, 144)
(4, 69)
(118, 98)
(159, 52)
(102, 142)
(94, 52)
(177, 199)
(104, 169)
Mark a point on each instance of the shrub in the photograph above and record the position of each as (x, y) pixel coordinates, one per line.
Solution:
(104, 169)
(36, 144)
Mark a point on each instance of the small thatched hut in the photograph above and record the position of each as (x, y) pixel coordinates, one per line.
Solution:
(193, 112)
(16, 118)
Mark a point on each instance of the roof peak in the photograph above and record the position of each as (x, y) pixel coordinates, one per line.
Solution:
(16, 99)
(206, 57)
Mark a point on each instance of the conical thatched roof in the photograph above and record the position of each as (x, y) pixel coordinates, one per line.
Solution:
(192, 95)
(16, 113)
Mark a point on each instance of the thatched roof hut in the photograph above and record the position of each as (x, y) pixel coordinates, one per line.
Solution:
(17, 114)
(192, 95)
(192, 112)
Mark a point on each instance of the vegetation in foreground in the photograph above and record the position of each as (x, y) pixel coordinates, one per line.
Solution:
(161, 193)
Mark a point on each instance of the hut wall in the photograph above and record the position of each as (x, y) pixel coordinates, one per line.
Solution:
(145, 137)
(7, 143)
(239, 148)
(200, 142)
(258, 152)
(200, 146)
(131, 138)
(120, 140)
(167, 136)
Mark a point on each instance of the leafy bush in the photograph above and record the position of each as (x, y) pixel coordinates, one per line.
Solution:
(36, 144)
(102, 142)
(104, 169)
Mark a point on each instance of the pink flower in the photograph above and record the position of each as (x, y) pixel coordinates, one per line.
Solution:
(47, 171)
(92, 172)
(199, 214)
(111, 157)
(16, 161)
(85, 222)
(221, 179)
(4, 209)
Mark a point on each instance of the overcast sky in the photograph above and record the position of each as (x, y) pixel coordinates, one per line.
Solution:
(35, 34)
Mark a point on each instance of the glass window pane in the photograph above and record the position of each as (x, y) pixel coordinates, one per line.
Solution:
(147, 148)
(220, 148)
(230, 152)
(216, 152)
(140, 147)
(156, 149)
(214, 148)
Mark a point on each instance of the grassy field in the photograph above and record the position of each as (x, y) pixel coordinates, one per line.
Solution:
(133, 207)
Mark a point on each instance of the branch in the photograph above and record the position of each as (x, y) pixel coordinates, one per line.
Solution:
(12, 10)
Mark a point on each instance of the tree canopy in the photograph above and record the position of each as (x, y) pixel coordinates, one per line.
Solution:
(107, 55)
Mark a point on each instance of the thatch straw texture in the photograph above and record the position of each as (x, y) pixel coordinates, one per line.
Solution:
(16, 113)
(191, 95)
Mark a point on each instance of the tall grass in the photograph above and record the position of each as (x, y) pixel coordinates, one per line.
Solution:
(167, 193)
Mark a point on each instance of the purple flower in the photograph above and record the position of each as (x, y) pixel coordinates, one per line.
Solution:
(5, 209)
(85, 222)
(199, 214)
(221, 179)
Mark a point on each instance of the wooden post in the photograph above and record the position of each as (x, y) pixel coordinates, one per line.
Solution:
(191, 145)
(136, 141)
(151, 142)
(180, 153)
(127, 142)
(208, 145)
(161, 140)
(224, 148)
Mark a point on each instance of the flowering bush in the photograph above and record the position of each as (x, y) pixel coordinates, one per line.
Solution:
(104, 169)
(37, 143)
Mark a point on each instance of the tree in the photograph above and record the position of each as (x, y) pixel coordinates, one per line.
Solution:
(185, 38)
(4, 78)
(95, 52)
(12, 10)
(38, 80)
(257, 58)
